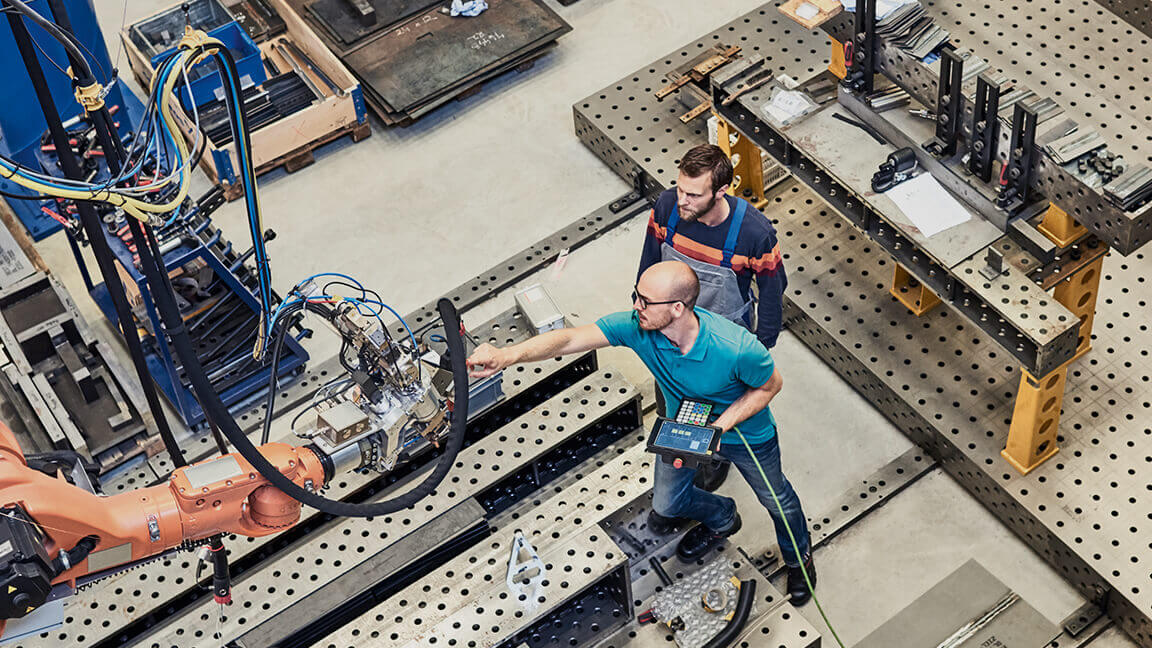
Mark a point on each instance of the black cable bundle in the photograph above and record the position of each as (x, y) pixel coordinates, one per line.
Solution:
(151, 263)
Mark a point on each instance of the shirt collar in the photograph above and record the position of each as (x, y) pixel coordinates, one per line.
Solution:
(699, 347)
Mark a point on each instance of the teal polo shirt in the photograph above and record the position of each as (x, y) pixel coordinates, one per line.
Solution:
(722, 365)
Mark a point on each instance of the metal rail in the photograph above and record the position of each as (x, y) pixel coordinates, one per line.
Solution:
(1039, 332)
(128, 603)
(474, 605)
(280, 586)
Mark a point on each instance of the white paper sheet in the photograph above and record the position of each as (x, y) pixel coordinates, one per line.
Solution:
(928, 205)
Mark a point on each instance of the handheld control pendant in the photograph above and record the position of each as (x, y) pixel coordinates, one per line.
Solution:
(687, 441)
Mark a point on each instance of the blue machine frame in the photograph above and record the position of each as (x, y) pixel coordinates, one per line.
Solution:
(206, 244)
(21, 122)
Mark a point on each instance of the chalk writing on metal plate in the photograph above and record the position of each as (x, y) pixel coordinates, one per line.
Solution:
(482, 39)
(416, 24)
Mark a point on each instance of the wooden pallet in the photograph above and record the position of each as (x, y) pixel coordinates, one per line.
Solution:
(288, 142)
(292, 161)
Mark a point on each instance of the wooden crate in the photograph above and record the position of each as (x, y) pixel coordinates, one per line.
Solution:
(288, 142)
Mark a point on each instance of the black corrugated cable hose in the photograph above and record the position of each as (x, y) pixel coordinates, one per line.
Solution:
(739, 617)
(214, 408)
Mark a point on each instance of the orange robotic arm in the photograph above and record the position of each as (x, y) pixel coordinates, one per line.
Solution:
(221, 495)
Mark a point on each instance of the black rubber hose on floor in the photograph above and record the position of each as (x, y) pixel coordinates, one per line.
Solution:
(659, 569)
(739, 617)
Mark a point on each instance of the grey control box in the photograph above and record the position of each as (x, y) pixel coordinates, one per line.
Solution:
(536, 305)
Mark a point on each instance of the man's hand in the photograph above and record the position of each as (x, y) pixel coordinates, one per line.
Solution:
(487, 360)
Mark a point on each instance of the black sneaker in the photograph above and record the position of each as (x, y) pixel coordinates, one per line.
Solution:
(711, 475)
(797, 587)
(663, 525)
(700, 540)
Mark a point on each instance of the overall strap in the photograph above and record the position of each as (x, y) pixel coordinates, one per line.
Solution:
(733, 232)
(673, 221)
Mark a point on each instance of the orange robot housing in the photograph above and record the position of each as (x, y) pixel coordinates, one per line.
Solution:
(221, 495)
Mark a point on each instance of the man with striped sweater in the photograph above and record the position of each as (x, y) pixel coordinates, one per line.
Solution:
(731, 245)
(721, 237)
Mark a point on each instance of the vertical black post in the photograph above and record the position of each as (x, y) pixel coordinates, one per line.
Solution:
(985, 128)
(101, 119)
(949, 101)
(863, 72)
(1021, 156)
(92, 228)
(84, 274)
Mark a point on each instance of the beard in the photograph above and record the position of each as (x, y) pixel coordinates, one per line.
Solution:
(693, 216)
(654, 322)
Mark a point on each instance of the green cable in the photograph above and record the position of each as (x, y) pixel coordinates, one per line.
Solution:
(795, 545)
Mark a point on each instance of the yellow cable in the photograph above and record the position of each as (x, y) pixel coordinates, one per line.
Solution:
(137, 208)
(795, 545)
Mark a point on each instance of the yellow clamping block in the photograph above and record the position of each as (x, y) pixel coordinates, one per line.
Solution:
(1061, 228)
(836, 63)
(1036, 417)
(91, 97)
(747, 164)
(910, 292)
(1078, 292)
(1035, 420)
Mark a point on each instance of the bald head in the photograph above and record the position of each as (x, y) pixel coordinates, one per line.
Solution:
(670, 280)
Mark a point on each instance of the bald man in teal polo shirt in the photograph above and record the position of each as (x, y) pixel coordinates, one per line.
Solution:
(698, 355)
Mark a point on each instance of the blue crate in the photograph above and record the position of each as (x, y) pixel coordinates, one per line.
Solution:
(205, 78)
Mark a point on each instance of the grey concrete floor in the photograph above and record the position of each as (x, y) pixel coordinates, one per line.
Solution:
(414, 212)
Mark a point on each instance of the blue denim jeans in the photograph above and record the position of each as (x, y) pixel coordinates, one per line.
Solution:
(674, 495)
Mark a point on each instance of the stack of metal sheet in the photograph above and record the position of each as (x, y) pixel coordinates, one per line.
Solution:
(1132, 189)
(339, 18)
(416, 56)
(911, 29)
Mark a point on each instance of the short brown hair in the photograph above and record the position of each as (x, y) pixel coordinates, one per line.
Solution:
(708, 158)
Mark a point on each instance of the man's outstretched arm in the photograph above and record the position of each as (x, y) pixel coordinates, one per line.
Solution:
(488, 359)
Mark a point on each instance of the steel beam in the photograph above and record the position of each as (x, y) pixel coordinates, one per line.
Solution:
(1030, 325)
(1079, 92)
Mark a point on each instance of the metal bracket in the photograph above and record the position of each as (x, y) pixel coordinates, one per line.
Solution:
(643, 184)
(861, 75)
(72, 362)
(1081, 618)
(949, 101)
(625, 201)
(985, 128)
(1021, 159)
(526, 572)
(1032, 240)
(993, 265)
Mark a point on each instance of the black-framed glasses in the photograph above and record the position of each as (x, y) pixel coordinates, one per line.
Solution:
(645, 302)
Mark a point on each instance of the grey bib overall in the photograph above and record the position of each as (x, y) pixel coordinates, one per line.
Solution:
(719, 290)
